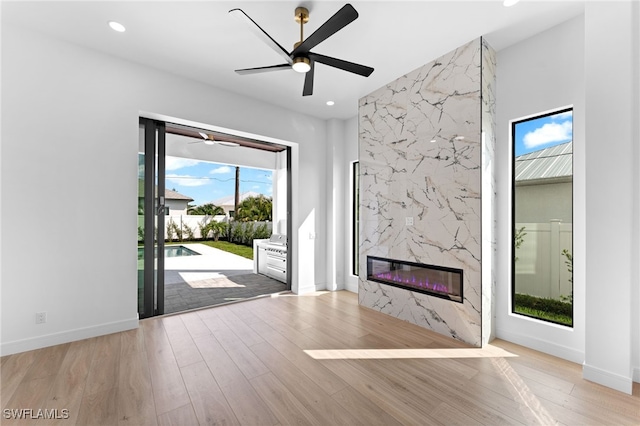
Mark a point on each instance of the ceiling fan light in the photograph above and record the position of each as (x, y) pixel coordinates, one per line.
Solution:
(209, 142)
(301, 65)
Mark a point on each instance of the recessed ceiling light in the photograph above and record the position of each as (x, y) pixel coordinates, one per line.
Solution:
(509, 3)
(117, 26)
(331, 103)
(459, 138)
(433, 141)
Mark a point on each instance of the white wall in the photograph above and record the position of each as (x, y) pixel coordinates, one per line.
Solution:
(539, 74)
(590, 62)
(611, 68)
(70, 132)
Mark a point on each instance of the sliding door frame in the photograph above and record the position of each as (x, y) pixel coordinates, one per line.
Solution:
(154, 221)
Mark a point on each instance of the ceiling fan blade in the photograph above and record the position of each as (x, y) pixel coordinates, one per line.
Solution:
(263, 69)
(340, 64)
(262, 34)
(341, 19)
(308, 80)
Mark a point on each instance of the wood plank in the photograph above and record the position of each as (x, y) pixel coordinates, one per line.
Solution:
(323, 377)
(388, 398)
(286, 407)
(246, 404)
(169, 392)
(132, 341)
(180, 416)
(70, 382)
(450, 415)
(366, 411)
(184, 348)
(240, 328)
(13, 371)
(99, 408)
(209, 403)
(47, 362)
(312, 396)
(247, 362)
(135, 401)
(103, 373)
(29, 395)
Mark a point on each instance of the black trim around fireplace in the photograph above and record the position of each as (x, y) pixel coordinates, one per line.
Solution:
(438, 281)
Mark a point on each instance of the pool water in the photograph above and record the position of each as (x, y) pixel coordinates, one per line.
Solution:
(171, 251)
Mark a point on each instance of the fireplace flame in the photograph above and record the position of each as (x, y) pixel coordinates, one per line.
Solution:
(438, 287)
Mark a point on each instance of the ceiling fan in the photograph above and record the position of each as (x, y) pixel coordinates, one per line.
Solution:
(209, 140)
(301, 59)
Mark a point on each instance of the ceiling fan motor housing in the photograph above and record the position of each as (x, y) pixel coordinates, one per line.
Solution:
(302, 15)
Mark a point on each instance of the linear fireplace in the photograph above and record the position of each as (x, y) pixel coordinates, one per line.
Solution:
(433, 280)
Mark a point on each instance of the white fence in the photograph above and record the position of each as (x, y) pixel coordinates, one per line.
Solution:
(193, 222)
(540, 269)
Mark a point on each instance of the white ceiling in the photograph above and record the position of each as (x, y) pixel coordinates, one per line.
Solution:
(201, 41)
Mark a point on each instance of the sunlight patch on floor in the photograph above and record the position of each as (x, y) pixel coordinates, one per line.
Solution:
(528, 403)
(487, 352)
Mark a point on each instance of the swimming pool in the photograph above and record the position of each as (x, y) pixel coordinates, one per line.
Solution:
(171, 251)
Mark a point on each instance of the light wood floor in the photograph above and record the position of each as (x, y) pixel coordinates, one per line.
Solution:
(318, 359)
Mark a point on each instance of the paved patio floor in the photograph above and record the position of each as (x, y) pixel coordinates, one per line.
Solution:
(212, 278)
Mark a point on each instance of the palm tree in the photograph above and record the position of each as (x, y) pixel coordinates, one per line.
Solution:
(254, 208)
(208, 209)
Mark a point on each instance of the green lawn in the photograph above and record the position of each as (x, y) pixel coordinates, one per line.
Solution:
(545, 309)
(238, 249)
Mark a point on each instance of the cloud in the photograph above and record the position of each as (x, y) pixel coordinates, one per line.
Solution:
(175, 163)
(221, 170)
(186, 180)
(562, 115)
(548, 133)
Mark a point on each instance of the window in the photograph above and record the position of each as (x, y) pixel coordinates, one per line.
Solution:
(542, 217)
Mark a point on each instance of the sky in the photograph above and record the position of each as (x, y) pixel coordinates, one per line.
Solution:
(539, 133)
(206, 182)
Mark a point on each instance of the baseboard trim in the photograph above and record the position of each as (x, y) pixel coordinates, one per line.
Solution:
(309, 289)
(17, 346)
(608, 379)
(541, 345)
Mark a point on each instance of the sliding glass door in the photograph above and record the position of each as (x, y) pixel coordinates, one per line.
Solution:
(151, 207)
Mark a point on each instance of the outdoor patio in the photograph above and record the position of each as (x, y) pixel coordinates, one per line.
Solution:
(211, 278)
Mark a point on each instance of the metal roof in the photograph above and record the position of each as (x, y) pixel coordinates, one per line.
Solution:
(547, 163)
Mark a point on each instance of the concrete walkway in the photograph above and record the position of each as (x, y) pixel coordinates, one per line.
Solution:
(211, 278)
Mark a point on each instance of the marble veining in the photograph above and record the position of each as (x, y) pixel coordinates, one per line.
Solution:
(440, 184)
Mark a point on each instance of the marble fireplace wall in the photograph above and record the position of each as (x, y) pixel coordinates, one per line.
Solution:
(426, 143)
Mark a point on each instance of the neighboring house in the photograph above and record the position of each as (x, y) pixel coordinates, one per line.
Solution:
(543, 206)
(544, 181)
(228, 202)
(175, 202)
